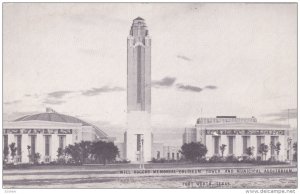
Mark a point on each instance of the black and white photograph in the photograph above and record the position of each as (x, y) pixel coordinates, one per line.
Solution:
(140, 95)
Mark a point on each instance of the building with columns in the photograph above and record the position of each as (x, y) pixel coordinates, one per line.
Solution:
(45, 133)
(138, 138)
(238, 134)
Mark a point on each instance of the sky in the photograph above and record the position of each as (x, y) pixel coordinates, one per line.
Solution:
(208, 59)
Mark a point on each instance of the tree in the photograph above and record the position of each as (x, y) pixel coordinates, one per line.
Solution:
(74, 152)
(36, 158)
(104, 151)
(86, 148)
(13, 150)
(263, 150)
(193, 151)
(79, 151)
(277, 149)
(295, 155)
(61, 156)
(222, 148)
(60, 152)
(249, 151)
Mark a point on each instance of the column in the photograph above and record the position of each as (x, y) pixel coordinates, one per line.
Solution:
(25, 143)
(282, 153)
(54, 147)
(253, 143)
(209, 146)
(40, 146)
(234, 149)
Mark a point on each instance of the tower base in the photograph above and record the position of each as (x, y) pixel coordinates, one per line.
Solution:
(138, 137)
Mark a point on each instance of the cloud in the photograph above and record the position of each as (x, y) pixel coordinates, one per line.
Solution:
(183, 57)
(31, 95)
(211, 87)
(283, 115)
(12, 102)
(89, 51)
(54, 102)
(165, 82)
(15, 115)
(189, 88)
(58, 94)
(104, 89)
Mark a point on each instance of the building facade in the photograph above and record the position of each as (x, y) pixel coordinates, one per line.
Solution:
(160, 151)
(137, 137)
(45, 133)
(238, 134)
(189, 135)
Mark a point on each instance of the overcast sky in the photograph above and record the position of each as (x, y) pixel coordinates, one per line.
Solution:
(207, 60)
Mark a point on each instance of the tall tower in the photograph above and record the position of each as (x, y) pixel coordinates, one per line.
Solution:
(138, 133)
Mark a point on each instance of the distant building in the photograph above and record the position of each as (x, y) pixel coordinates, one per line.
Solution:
(172, 152)
(238, 134)
(159, 151)
(189, 135)
(46, 132)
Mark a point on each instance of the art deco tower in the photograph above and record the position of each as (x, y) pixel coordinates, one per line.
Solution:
(138, 92)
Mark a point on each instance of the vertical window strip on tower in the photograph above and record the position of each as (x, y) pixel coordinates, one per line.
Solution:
(139, 72)
(138, 148)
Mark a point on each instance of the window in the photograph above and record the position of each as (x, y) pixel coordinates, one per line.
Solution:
(168, 155)
(230, 144)
(5, 141)
(139, 74)
(62, 141)
(216, 141)
(173, 156)
(245, 144)
(47, 145)
(259, 141)
(274, 140)
(178, 156)
(19, 145)
(32, 149)
(138, 136)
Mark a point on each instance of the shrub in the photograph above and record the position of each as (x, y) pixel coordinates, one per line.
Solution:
(215, 159)
(124, 161)
(231, 158)
(162, 160)
(258, 158)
